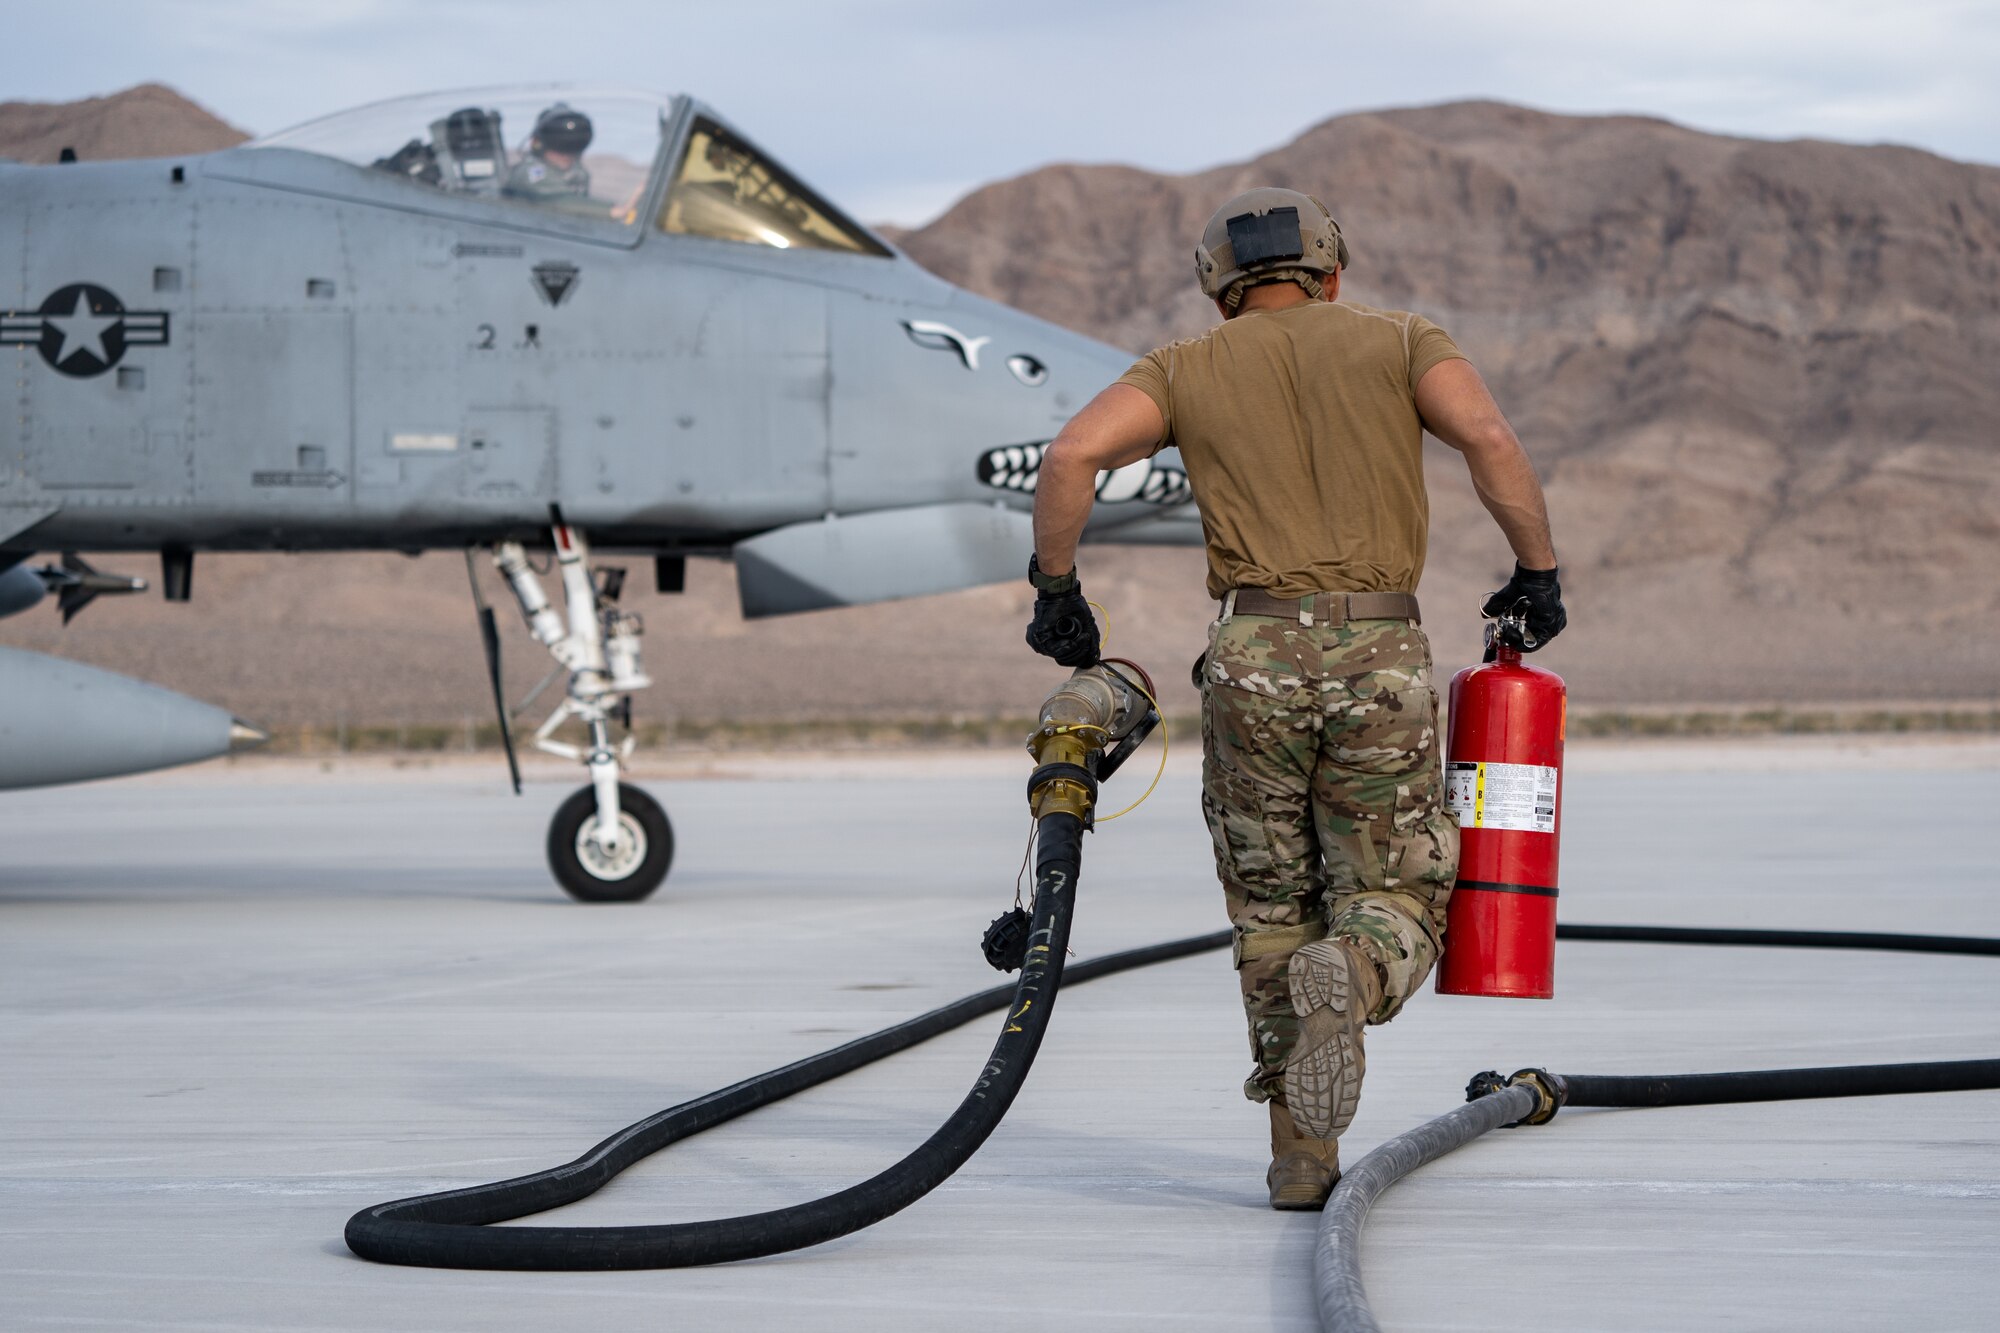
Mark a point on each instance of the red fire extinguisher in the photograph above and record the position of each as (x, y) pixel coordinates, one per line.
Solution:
(1503, 780)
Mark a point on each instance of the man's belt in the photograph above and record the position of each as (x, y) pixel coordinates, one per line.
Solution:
(1323, 608)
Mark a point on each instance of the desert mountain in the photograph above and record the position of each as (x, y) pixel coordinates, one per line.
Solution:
(1758, 377)
(150, 120)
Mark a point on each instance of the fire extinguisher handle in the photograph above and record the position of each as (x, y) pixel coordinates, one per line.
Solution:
(1505, 635)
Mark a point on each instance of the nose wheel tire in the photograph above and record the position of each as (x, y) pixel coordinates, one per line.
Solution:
(625, 874)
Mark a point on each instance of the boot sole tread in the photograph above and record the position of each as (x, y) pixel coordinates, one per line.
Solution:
(1323, 1077)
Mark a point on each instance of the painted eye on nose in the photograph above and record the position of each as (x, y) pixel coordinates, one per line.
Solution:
(1028, 370)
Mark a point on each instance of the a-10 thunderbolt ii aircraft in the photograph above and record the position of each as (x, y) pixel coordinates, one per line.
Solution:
(526, 323)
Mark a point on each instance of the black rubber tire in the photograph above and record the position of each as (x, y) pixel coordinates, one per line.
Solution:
(577, 878)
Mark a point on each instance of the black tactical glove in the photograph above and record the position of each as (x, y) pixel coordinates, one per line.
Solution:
(1532, 598)
(1063, 627)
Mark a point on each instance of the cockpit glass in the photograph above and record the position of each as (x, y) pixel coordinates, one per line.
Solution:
(571, 151)
(728, 190)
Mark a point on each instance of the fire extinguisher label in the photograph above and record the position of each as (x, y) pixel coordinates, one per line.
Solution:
(1502, 796)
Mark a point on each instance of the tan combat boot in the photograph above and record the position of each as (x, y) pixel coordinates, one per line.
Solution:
(1303, 1171)
(1334, 988)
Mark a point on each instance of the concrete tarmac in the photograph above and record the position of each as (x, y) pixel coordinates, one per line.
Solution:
(238, 1004)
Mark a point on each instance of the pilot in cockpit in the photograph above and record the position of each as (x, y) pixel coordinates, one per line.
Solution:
(552, 166)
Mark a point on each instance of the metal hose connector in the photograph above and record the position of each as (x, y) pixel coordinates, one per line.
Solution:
(1091, 711)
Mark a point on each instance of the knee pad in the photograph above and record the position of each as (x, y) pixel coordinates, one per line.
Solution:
(1251, 943)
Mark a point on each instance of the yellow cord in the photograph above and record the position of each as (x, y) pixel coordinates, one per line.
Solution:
(1159, 772)
(1104, 638)
(1066, 728)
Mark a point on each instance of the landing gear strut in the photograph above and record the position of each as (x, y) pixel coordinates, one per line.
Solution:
(610, 842)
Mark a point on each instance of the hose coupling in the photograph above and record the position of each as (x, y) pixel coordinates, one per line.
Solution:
(1550, 1093)
(1063, 782)
(1092, 710)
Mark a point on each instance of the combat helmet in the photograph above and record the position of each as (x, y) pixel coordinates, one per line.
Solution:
(1267, 235)
(563, 129)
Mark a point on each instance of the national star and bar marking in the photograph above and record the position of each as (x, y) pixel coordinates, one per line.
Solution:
(83, 329)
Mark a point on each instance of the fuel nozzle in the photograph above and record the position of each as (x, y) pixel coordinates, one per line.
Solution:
(1086, 728)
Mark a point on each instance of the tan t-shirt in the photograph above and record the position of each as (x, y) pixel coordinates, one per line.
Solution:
(1300, 432)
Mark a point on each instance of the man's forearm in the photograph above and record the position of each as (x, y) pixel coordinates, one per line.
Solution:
(1119, 426)
(1457, 408)
(1065, 489)
(1511, 492)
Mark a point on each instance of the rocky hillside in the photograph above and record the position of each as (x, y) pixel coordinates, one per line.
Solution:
(147, 121)
(1759, 378)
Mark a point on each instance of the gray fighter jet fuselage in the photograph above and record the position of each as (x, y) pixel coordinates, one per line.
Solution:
(272, 348)
(390, 330)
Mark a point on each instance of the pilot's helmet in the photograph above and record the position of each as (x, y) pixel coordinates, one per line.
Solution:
(472, 132)
(563, 129)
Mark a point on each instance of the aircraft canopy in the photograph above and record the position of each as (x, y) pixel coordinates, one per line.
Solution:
(584, 153)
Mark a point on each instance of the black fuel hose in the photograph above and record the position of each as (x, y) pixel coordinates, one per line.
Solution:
(1782, 939)
(1534, 1096)
(1337, 1288)
(449, 1229)
(1776, 1085)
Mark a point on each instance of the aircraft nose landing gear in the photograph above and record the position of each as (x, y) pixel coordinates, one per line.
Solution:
(610, 841)
(622, 872)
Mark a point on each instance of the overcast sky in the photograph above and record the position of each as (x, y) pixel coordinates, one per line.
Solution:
(896, 107)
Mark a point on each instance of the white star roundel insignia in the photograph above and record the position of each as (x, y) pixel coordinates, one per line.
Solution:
(83, 329)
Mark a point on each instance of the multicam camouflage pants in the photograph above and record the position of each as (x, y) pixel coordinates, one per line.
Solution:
(1322, 787)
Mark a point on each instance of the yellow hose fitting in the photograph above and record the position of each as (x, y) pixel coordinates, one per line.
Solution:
(1062, 796)
(1091, 711)
(1549, 1094)
(1059, 747)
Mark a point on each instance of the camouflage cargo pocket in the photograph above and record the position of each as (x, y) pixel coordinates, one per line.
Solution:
(1230, 804)
(1385, 728)
(1425, 854)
